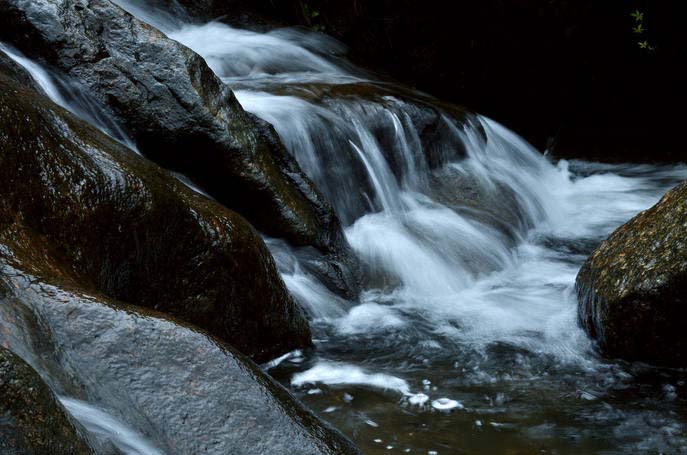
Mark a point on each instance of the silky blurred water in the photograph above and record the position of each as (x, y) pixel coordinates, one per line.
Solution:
(465, 339)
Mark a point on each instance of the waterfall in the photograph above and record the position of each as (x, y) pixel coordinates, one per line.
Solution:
(469, 238)
(448, 223)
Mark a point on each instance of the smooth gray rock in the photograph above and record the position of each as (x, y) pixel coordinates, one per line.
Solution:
(183, 390)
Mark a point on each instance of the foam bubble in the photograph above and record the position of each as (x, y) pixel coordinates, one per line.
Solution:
(419, 399)
(446, 404)
(331, 373)
(368, 317)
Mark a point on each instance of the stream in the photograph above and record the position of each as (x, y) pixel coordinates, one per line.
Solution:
(465, 338)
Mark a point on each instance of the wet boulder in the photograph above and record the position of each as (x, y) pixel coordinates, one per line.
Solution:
(177, 111)
(633, 289)
(136, 234)
(32, 421)
(182, 390)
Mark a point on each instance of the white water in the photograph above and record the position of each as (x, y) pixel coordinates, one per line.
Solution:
(474, 248)
(70, 96)
(475, 271)
(467, 247)
(107, 429)
(74, 98)
(40, 75)
(338, 374)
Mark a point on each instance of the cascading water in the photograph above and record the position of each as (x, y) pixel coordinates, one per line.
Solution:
(465, 339)
(74, 98)
(470, 241)
(71, 97)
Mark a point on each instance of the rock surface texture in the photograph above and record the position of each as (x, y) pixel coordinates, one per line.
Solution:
(85, 222)
(135, 233)
(178, 113)
(187, 392)
(32, 421)
(633, 289)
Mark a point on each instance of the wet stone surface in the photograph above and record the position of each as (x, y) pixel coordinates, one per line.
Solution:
(633, 288)
(32, 421)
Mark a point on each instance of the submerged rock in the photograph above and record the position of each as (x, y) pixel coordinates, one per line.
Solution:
(633, 289)
(178, 113)
(32, 421)
(132, 232)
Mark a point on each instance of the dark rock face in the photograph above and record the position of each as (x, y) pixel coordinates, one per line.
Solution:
(185, 391)
(177, 111)
(633, 289)
(134, 233)
(32, 421)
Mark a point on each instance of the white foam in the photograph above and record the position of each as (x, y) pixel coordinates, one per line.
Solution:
(369, 316)
(446, 404)
(330, 373)
(234, 52)
(293, 355)
(419, 399)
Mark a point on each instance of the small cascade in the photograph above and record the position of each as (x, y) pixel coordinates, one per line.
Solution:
(74, 98)
(70, 96)
(450, 212)
(431, 198)
(109, 430)
(469, 239)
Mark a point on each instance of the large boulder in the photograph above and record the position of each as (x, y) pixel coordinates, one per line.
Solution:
(32, 421)
(178, 112)
(633, 289)
(136, 234)
(184, 391)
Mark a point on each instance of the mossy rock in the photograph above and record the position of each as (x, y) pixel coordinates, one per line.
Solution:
(633, 288)
(32, 421)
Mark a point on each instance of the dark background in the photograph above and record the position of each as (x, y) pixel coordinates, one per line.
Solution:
(568, 75)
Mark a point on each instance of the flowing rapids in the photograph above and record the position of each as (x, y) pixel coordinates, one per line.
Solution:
(465, 339)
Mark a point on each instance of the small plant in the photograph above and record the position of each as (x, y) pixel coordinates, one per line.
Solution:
(312, 17)
(639, 29)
